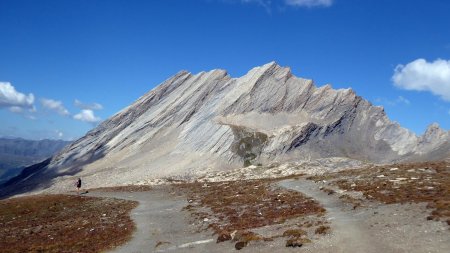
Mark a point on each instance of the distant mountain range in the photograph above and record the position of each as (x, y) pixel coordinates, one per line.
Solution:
(192, 123)
(17, 153)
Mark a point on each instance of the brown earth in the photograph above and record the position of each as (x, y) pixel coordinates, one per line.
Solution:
(64, 223)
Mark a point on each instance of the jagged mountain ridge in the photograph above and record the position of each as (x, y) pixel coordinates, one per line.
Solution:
(210, 120)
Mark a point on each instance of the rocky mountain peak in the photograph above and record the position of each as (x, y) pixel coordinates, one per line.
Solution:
(211, 121)
(434, 132)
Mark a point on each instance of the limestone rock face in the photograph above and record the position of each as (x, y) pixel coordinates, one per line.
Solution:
(210, 121)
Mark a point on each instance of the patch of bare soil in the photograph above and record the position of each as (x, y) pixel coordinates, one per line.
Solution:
(64, 223)
(427, 182)
(236, 210)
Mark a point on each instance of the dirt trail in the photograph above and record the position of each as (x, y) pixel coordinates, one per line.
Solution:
(352, 230)
(162, 226)
(348, 233)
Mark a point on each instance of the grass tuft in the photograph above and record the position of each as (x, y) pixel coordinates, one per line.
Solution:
(294, 233)
(322, 230)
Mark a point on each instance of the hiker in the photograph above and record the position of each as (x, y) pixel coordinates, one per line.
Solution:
(78, 185)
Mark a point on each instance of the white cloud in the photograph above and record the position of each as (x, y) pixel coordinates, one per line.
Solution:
(16, 109)
(9, 98)
(403, 100)
(91, 106)
(282, 4)
(421, 75)
(263, 3)
(393, 102)
(54, 105)
(266, 4)
(87, 115)
(59, 134)
(309, 3)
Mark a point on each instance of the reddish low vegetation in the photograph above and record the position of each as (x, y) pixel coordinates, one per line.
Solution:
(233, 208)
(322, 229)
(427, 182)
(240, 205)
(126, 188)
(294, 233)
(64, 223)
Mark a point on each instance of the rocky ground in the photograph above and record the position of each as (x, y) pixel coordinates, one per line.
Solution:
(372, 226)
(389, 208)
(426, 183)
(172, 219)
(254, 211)
(281, 214)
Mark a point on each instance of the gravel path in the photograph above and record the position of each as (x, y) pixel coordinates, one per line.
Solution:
(348, 233)
(162, 226)
(377, 228)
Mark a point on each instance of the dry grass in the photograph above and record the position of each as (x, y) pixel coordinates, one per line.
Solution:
(297, 237)
(294, 233)
(427, 182)
(224, 236)
(127, 188)
(243, 205)
(297, 242)
(322, 230)
(246, 236)
(64, 223)
(233, 208)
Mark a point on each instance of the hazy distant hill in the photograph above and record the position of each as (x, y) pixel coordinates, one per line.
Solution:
(17, 153)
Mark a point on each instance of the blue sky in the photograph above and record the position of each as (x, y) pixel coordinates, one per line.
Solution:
(66, 65)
